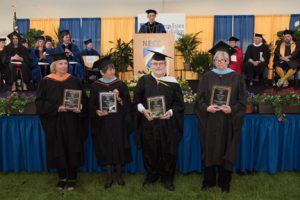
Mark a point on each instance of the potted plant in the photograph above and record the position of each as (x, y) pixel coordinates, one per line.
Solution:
(250, 102)
(31, 35)
(187, 45)
(201, 62)
(284, 101)
(122, 55)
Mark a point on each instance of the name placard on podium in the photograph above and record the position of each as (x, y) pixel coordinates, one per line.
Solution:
(160, 42)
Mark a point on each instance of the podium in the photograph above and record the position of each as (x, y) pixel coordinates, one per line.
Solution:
(160, 42)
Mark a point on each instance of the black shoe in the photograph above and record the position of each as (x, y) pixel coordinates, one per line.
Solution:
(71, 185)
(207, 187)
(108, 183)
(169, 186)
(61, 184)
(120, 180)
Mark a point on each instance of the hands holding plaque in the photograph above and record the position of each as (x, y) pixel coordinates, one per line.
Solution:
(220, 99)
(156, 109)
(72, 101)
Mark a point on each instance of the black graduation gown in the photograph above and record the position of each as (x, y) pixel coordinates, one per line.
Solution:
(220, 132)
(3, 68)
(111, 133)
(170, 130)
(253, 53)
(292, 50)
(65, 131)
(26, 67)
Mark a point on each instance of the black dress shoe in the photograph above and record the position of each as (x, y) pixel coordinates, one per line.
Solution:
(207, 187)
(71, 184)
(169, 186)
(61, 184)
(108, 183)
(120, 180)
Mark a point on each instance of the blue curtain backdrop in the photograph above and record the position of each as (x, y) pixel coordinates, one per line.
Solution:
(295, 22)
(243, 27)
(91, 29)
(74, 26)
(222, 28)
(23, 25)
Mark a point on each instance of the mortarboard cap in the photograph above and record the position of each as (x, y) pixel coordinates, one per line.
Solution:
(88, 41)
(232, 38)
(48, 38)
(40, 38)
(103, 62)
(159, 56)
(3, 39)
(14, 34)
(288, 32)
(56, 57)
(258, 35)
(222, 46)
(151, 11)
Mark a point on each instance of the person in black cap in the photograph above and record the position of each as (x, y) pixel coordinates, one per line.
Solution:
(236, 63)
(72, 52)
(286, 58)
(16, 53)
(220, 120)
(152, 26)
(111, 129)
(64, 129)
(256, 59)
(159, 137)
(89, 49)
(48, 43)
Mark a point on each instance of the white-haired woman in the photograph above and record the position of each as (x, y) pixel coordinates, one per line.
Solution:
(220, 120)
(64, 128)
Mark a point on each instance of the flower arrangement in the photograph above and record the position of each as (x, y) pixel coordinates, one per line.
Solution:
(188, 95)
(278, 100)
(14, 102)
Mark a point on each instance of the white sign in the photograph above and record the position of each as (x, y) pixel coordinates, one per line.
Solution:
(173, 22)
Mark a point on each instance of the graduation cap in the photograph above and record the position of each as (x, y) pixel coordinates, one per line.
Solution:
(288, 32)
(103, 62)
(40, 38)
(222, 46)
(60, 56)
(159, 56)
(258, 35)
(3, 39)
(232, 38)
(88, 41)
(48, 38)
(64, 32)
(151, 11)
(10, 36)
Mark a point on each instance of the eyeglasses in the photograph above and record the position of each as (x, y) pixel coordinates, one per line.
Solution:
(220, 60)
(158, 64)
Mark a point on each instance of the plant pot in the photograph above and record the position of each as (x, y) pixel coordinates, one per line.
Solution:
(249, 108)
(189, 108)
(264, 108)
(187, 66)
(291, 109)
(30, 109)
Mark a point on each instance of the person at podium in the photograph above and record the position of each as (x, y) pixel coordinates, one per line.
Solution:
(152, 26)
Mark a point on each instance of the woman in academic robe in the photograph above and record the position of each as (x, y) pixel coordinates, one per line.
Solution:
(220, 120)
(63, 126)
(236, 63)
(110, 129)
(39, 58)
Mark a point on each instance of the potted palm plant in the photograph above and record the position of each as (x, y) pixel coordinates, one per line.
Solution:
(187, 45)
(122, 55)
(201, 62)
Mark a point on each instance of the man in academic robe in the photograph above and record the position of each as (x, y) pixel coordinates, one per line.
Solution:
(17, 56)
(220, 113)
(89, 49)
(256, 59)
(152, 26)
(159, 137)
(2, 60)
(286, 58)
(73, 54)
(236, 63)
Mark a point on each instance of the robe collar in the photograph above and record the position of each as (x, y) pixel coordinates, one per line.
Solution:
(58, 78)
(257, 45)
(283, 46)
(169, 79)
(107, 81)
(222, 72)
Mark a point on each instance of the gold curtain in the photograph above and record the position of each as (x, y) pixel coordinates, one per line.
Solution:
(49, 26)
(114, 28)
(205, 24)
(269, 25)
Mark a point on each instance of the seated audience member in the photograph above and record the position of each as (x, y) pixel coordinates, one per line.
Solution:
(236, 63)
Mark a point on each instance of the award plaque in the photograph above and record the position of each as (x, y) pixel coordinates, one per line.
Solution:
(72, 99)
(157, 106)
(108, 102)
(220, 95)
